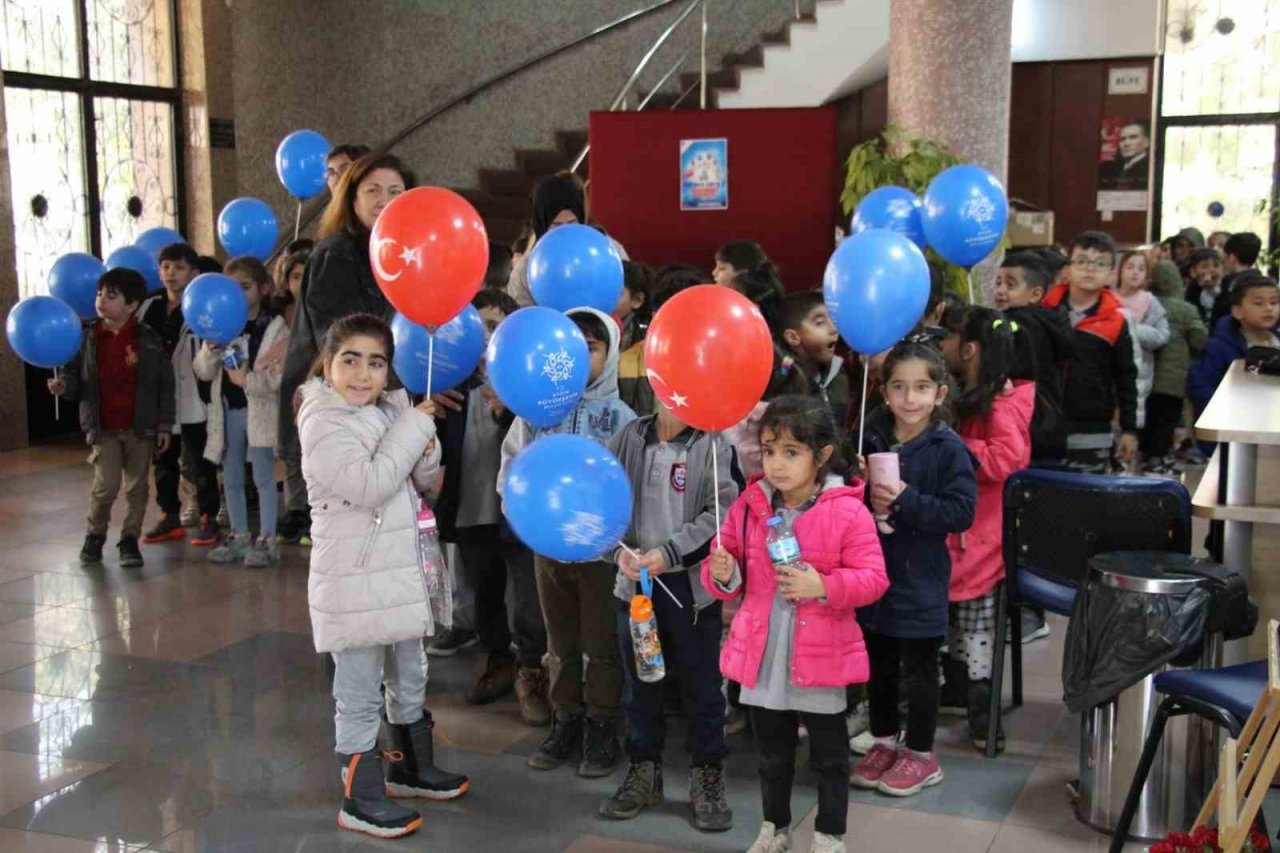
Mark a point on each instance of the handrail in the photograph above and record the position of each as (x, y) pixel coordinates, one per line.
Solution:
(644, 102)
(314, 209)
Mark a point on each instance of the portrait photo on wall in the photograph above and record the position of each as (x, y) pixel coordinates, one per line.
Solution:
(1124, 159)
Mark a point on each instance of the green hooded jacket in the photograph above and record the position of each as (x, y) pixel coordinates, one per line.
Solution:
(1186, 332)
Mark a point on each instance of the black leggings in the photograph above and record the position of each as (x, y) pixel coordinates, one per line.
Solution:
(909, 665)
(828, 756)
(1164, 414)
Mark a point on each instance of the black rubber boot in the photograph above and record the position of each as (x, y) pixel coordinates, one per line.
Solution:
(365, 807)
(410, 763)
(600, 748)
(642, 787)
(980, 715)
(564, 740)
(954, 696)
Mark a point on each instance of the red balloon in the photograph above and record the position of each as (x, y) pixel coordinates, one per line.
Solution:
(708, 355)
(429, 252)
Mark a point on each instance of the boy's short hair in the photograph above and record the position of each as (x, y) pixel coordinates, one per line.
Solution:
(591, 326)
(489, 297)
(1245, 246)
(179, 252)
(1099, 241)
(128, 283)
(208, 263)
(1199, 256)
(302, 244)
(1033, 268)
(673, 278)
(1052, 260)
(638, 279)
(795, 307)
(353, 152)
(1247, 281)
(498, 272)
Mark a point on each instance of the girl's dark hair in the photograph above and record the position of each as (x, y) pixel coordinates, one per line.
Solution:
(787, 377)
(252, 267)
(744, 255)
(910, 350)
(639, 280)
(994, 336)
(340, 216)
(281, 298)
(353, 325)
(809, 421)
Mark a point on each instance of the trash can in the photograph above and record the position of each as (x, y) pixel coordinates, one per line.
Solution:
(1140, 613)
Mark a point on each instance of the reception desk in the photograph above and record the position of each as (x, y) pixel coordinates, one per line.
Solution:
(1241, 488)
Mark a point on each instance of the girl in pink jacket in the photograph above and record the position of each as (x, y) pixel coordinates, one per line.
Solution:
(994, 421)
(795, 644)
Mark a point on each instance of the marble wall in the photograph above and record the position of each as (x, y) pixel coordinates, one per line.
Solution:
(361, 72)
(13, 394)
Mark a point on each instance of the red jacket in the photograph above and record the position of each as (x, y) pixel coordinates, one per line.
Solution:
(838, 538)
(1002, 443)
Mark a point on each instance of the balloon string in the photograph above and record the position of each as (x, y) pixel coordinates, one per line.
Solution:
(431, 357)
(645, 573)
(969, 276)
(297, 222)
(715, 487)
(57, 400)
(862, 405)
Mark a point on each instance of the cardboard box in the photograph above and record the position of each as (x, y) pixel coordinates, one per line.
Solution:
(1030, 228)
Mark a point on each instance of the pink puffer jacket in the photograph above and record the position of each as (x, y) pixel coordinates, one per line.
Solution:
(838, 538)
(1002, 443)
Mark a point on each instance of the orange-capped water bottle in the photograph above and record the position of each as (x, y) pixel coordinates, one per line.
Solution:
(644, 639)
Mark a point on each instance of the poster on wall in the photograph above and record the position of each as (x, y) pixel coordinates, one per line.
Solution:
(704, 174)
(1124, 163)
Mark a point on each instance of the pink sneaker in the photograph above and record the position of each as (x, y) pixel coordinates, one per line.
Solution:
(912, 772)
(870, 767)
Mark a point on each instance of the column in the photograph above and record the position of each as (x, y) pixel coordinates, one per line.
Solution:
(13, 388)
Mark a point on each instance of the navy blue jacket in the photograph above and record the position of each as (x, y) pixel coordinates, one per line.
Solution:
(1225, 345)
(940, 498)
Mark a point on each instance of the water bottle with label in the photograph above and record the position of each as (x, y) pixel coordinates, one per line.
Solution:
(435, 571)
(784, 548)
(644, 639)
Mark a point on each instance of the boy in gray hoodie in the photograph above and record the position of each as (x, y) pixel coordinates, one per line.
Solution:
(576, 598)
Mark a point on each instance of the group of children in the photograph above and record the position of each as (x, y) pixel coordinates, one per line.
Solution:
(889, 572)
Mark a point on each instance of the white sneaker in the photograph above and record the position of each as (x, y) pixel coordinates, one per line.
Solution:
(771, 840)
(858, 720)
(860, 744)
(823, 843)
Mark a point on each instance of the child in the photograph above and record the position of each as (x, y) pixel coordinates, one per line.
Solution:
(577, 599)
(366, 456)
(936, 496)
(124, 381)
(1239, 256)
(490, 554)
(673, 521)
(184, 456)
(809, 335)
(1042, 349)
(243, 413)
(786, 379)
(1148, 321)
(994, 417)
(1203, 273)
(795, 645)
(1103, 374)
(635, 307)
(743, 266)
(1255, 310)
(1173, 362)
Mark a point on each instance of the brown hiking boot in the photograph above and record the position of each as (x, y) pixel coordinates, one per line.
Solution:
(496, 681)
(531, 693)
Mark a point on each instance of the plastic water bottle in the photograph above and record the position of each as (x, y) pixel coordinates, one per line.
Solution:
(435, 571)
(644, 639)
(784, 548)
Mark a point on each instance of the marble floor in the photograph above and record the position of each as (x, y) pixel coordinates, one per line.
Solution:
(180, 707)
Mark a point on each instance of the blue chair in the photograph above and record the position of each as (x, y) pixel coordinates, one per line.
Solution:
(1226, 696)
(1054, 521)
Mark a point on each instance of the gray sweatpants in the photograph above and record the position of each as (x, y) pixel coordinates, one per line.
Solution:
(358, 675)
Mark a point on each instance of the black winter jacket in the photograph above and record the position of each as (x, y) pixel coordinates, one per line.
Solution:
(1043, 342)
(153, 401)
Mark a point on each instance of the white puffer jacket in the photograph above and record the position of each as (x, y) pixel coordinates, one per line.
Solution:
(261, 390)
(362, 465)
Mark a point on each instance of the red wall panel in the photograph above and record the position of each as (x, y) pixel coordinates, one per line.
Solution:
(782, 180)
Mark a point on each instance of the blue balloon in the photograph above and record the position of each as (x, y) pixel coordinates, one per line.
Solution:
(155, 239)
(894, 208)
(247, 226)
(1216, 209)
(300, 163)
(74, 280)
(575, 266)
(139, 260)
(44, 331)
(567, 498)
(538, 365)
(965, 213)
(876, 287)
(215, 307)
(459, 348)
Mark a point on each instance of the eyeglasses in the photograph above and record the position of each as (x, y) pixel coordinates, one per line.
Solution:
(1085, 263)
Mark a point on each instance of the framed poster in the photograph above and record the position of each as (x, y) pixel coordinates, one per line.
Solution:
(704, 174)
(1123, 161)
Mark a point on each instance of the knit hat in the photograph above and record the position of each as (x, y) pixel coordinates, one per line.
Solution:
(552, 195)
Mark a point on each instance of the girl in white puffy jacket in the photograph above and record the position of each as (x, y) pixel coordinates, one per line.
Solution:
(367, 454)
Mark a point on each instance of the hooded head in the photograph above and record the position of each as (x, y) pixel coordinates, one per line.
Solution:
(605, 385)
(552, 195)
(1166, 280)
(1194, 236)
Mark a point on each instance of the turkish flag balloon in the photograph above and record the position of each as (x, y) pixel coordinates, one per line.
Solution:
(708, 355)
(429, 252)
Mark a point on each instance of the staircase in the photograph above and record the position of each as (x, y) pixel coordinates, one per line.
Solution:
(502, 195)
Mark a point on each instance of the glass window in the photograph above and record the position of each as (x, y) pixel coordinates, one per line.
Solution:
(40, 37)
(46, 174)
(135, 168)
(130, 41)
(1221, 56)
(1230, 164)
